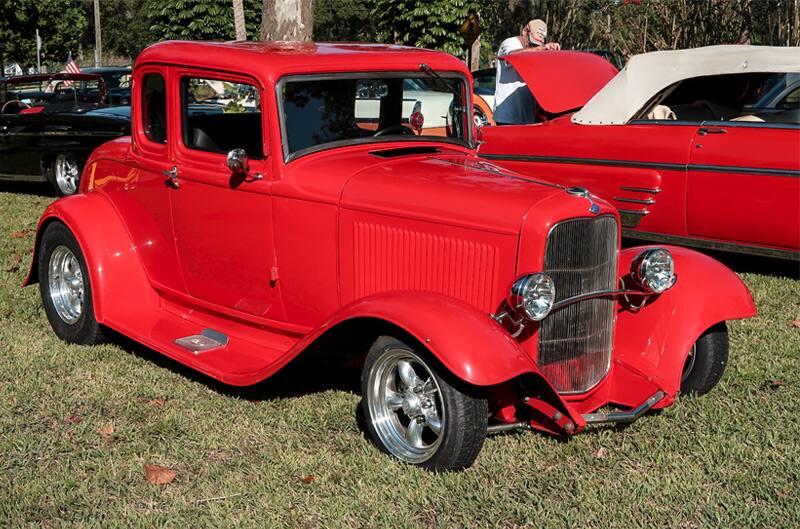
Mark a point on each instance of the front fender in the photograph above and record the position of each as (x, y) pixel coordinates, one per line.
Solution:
(655, 340)
(120, 288)
(468, 342)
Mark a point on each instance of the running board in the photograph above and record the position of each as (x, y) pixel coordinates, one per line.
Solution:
(207, 340)
(624, 416)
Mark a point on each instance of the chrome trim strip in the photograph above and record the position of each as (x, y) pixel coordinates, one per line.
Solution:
(625, 416)
(641, 213)
(645, 201)
(738, 124)
(644, 165)
(793, 255)
(70, 133)
(23, 177)
(744, 170)
(596, 294)
(653, 190)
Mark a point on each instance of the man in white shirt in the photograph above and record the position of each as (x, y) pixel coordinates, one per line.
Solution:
(513, 102)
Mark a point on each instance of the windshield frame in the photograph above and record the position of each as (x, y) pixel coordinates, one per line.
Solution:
(359, 75)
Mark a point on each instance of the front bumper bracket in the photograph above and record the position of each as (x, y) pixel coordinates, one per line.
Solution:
(625, 416)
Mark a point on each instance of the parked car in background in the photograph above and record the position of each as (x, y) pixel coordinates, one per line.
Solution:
(50, 123)
(118, 83)
(475, 299)
(698, 147)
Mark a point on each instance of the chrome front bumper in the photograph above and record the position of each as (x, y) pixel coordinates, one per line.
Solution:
(625, 416)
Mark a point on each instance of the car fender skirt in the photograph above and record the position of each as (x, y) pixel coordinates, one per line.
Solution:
(468, 342)
(655, 340)
(121, 291)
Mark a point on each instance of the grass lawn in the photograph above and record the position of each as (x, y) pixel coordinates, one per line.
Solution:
(79, 424)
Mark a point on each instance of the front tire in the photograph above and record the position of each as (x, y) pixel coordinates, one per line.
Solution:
(415, 412)
(706, 362)
(65, 288)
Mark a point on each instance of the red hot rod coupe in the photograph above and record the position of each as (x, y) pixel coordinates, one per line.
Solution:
(476, 300)
(698, 147)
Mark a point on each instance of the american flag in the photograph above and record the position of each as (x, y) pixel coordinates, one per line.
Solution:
(71, 67)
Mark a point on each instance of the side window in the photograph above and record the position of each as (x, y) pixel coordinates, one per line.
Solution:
(154, 108)
(219, 116)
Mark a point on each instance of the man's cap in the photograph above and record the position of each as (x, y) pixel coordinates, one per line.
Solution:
(538, 31)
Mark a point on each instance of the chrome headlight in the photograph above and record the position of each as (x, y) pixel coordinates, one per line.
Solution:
(533, 295)
(654, 270)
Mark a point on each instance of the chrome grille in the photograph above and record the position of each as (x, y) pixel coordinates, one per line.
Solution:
(575, 341)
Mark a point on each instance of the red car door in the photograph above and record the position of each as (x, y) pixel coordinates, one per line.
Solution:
(223, 221)
(744, 184)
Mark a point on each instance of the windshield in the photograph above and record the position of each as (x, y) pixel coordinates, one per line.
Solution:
(319, 113)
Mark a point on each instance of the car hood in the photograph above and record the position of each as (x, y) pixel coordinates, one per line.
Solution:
(562, 80)
(454, 189)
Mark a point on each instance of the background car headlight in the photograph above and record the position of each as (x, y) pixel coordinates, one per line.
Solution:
(654, 270)
(533, 295)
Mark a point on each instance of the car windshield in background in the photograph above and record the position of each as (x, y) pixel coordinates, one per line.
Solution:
(319, 113)
(19, 95)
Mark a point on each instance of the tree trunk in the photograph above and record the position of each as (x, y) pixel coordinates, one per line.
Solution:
(746, 15)
(98, 41)
(287, 20)
(238, 20)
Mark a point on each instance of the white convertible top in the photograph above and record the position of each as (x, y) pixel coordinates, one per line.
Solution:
(648, 74)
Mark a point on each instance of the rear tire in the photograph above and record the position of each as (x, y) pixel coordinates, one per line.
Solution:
(415, 411)
(65, 288)
(706, 362)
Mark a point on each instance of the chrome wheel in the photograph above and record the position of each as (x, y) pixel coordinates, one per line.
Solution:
(405, 406)
(65, 281)
(479, 117)
(689, 364)
(67, 173)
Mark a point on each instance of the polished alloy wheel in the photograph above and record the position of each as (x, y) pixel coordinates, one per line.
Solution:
(689, 364)
(405, 406)
(65, 280)
(67, 173)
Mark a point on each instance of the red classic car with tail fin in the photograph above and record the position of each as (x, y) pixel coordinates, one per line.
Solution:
(698, 147)
(254, 214)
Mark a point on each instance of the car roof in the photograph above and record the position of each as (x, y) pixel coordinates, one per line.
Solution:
(648, 74)
(268, 61)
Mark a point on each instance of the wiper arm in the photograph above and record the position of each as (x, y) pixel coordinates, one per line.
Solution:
(423, 67)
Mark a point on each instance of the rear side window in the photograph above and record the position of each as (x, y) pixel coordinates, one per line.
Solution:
(154, 108)
(220, 115)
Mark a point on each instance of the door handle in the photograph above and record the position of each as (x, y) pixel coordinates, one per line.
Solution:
(172, 177)
(702, 131)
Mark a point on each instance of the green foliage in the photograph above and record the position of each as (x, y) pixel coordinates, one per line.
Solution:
(61, 24)
(425, 24)
(199, 19)
(348, 20)
(125, 29)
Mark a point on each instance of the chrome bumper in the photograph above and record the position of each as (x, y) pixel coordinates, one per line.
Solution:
(625, 416)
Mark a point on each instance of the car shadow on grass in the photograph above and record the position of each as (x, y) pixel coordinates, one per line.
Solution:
(305, 375)
(743, 263)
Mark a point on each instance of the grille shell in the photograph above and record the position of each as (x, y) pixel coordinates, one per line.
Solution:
(575, 342)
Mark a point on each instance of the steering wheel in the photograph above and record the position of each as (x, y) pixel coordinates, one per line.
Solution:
(397, 128)
(21, 104)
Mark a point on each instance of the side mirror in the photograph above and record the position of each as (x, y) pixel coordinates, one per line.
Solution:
(237, 161)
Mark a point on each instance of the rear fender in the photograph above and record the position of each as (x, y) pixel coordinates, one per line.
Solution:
(655, 340)
(120, 287)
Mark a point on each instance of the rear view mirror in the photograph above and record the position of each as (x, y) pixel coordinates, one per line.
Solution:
(237, 161)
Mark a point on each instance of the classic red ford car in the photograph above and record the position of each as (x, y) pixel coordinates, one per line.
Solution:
(280, 218)
(698, 147)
